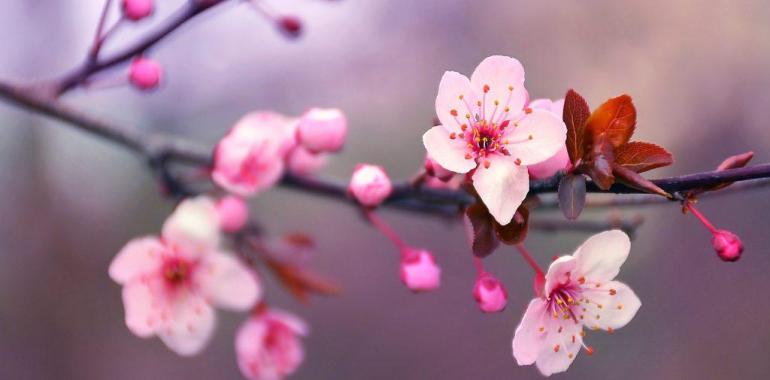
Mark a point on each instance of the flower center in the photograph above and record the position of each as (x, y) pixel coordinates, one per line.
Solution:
(563, 300)
(176, 271)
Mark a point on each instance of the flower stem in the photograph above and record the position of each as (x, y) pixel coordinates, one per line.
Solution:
(479, 266)
(700, 216)
(385, 229)
(528, 257)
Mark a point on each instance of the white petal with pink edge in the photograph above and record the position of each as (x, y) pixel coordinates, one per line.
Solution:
(503, 77)
(611, 306)
(600, 257)
(140, 256)
(142, 308)
(559, 272)
(502, 186)
(529, 339)
(193, 228)
(190, 325)
(449, 153)
(536, 137)
(227, 283)
(455, 96)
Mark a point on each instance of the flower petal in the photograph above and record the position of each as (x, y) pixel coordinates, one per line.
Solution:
(142, 308)
(618, 304)
(528, 340)
(190, 326)
(536, 137)
(563, 344)
(500, 74)
(140, 256)
(295, 323)
(449, 153)
(453, 86)
(600, 257)
(193, 228)
(227, 283)
(559, 272)
(502, 186)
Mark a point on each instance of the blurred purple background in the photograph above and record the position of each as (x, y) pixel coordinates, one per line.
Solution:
(698, 72)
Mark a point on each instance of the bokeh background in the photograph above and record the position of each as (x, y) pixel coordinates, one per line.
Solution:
(698, 72)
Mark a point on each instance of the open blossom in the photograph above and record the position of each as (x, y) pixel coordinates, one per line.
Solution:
(485, 126)
(171, 283)
(559, 161)
(490, 294)
(268, 345)
(370, 185)
(322, 130)
(419, 271)
(579, 291)
(250, 158)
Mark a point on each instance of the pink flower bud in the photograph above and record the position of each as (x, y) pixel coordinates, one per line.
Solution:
(145, 73)
(549, 167)
(433, 169)
(419, 271)
(290, 25)
(302, 162)
(269, 345)
(323, 130)
(233, 213)
(728, 246)
(370, 185)
(136, 10)
(490, 294)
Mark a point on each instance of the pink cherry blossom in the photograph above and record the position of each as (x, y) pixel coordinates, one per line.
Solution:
(370, 185)
(233, 213)
(171, 283)
(419, 271)
(579, 291)
(485, 126)
(303, 162)
(250, 158)
(559, 161)
(323, 130)
(144, 73)
(490, 294)
(268, 345)
(136, 10)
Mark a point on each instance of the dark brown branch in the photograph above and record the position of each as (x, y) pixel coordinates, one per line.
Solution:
(404, 196)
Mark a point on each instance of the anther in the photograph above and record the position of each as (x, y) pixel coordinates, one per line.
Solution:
(453, 135)
(613, 292)
(590, 350)
(517, 161)
(461, 97)
(620, 306)
(528, 110)
(486, 88)
(610, 330)
(582, 280)
(467, 156)
(487, 164)
(530, 137)
(570, 356)
(497, 102)
(556, 348)
(510, 88)
(453, 112)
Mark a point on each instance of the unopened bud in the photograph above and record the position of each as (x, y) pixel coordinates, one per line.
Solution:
(233, 213)
(728, 246)
(490, 294)
(136, 10)
(370, 185)
(144, 73)
(419, 271)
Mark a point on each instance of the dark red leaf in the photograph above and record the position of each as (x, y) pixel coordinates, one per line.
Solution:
(481, 230)
(641, 156)
(301, 283)
(633, 179)
(575, 114)
(572, 195)
(599, 161)
(516, 231)
(616, 119)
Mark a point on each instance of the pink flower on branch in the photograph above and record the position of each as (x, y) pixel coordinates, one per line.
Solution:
(250, 158)
(559, 161)
(268, 345)
(145, 74)
(370, 185)
(323, 130)
(579, 291)
(490, 294)
(171, 283)
(419, 271)
(486, 130)
(136, 10)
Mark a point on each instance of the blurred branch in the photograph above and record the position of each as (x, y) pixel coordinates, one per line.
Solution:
(164, 149)
(629, 226)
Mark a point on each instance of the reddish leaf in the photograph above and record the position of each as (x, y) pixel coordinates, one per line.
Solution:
(616, 118)
(516, 231)
(633, 179)
(301, 283)
(641, 156)
(481, 230)
(572, 195)
(575, 114)
(599, 162)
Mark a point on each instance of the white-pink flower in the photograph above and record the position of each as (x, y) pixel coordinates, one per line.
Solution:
(579, 291)
(485, 126)
(323, 130)
(559, 161)
(171, 283)
(419, 271)
(250, 158)
(268, 345)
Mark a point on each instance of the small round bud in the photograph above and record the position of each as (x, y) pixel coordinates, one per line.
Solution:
(370, 185)
(419, 271)
(322, 130)
(728, 246)
(290, 25)
(233, 213)
(490, 294)
(136, 10)
(145, 74)
(433, 169)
